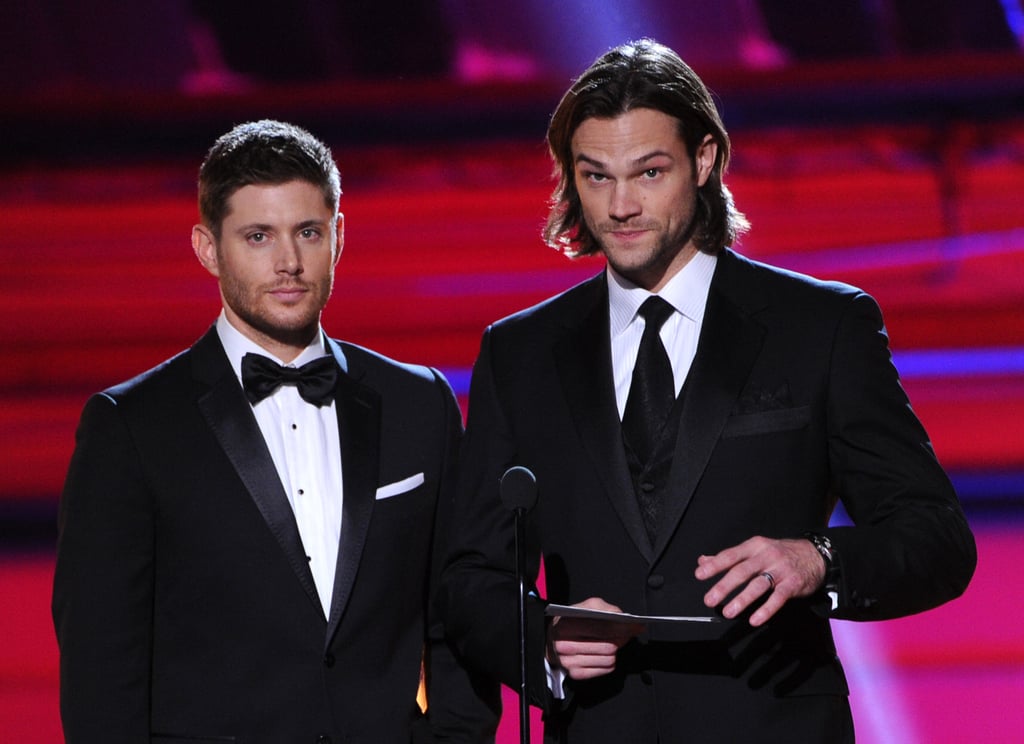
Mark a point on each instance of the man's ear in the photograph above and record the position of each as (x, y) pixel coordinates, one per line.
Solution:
(205, 248)
(340, 237)
(707, 153)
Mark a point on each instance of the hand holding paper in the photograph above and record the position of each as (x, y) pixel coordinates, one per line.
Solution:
(584, 644)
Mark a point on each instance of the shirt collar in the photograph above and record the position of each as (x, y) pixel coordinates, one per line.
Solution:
(687, 292)
(237, 346)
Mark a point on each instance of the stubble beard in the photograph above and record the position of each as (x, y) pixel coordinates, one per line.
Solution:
(254, 308)
(654, 261)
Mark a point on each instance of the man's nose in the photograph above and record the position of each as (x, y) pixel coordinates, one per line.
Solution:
(625, 202)
(289, 258)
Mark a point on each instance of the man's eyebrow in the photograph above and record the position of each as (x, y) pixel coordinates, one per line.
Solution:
(259, 226)
(581, 158)
(311, 223)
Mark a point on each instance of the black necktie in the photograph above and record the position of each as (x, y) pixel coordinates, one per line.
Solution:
(316, 380)
(652, 391)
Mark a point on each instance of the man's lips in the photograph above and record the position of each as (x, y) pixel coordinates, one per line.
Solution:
(627, 234)
(288, 293)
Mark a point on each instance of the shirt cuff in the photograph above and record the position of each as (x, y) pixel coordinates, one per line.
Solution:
(555, 679)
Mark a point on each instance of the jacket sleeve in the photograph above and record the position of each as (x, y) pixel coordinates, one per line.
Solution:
(910, 548)
(103, 584)
(464, 704)
(479, 592)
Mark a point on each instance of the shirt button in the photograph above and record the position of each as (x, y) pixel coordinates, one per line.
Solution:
(646, 486)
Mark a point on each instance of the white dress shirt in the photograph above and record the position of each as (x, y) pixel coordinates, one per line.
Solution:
(687, 292)
(305, 446)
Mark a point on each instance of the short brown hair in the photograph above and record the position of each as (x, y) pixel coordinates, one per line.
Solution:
(263, 152)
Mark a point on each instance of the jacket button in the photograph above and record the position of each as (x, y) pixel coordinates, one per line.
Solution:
(646, 678)
(323, 739)
(328, 660)
(655, 581)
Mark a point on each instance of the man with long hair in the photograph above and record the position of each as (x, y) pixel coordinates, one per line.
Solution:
(692, 418)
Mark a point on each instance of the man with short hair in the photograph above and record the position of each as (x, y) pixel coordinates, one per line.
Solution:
(692, 418)
(249, 532)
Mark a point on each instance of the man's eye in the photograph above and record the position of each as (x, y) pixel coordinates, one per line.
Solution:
(651, 172)
(257, 237)
(596, 177)
(309, 234)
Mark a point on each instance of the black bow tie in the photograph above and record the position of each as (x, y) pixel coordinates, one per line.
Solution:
(316, 380)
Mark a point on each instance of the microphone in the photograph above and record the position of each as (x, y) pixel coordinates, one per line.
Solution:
(518, 491)
(518, 488)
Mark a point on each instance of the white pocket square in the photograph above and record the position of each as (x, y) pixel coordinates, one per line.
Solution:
(393, 489)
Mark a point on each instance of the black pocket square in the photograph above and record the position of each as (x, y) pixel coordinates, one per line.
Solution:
(755, 400)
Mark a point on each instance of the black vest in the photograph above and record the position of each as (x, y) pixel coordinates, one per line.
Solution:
(650, 479)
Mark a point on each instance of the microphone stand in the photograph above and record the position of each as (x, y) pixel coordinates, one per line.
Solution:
(524, 703)
(518, 491)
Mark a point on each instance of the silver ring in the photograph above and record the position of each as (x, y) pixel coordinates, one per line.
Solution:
(770, 578)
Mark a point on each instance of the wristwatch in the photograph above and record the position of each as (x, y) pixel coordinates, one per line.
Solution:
(824, 547)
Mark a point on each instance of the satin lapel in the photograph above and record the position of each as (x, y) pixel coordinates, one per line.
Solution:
(583, 359)
(359, 411)
(229, 416)
(730, 343)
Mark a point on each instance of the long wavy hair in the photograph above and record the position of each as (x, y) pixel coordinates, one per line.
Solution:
(640, 74)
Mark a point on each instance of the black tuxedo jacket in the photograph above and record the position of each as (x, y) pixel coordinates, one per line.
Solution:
(184, 606)
(792, 402)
